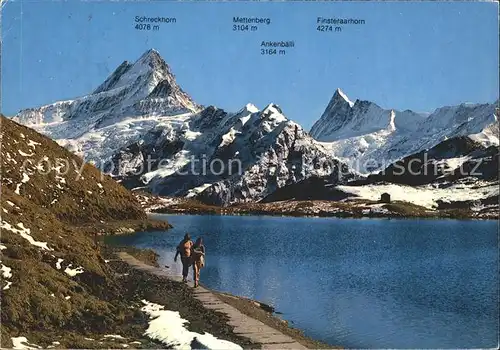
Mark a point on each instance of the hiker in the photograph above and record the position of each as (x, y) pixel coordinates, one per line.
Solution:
(184, 249)
(198, 255)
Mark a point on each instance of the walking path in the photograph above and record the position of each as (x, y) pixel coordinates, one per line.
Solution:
(244, 325)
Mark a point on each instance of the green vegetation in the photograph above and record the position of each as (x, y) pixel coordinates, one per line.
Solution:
(44, 301)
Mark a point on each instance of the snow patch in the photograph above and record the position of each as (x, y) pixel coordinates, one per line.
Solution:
(453, 163)
(6, 271)
(344, 96)
(9, 283)
(25, 154)
(169, 328)
(24, 180)
(197, 190)
(58, 263)
(229, 137)
(25, 233)
(191, 135)
(73, 272)
(54, 344)
(114, 336)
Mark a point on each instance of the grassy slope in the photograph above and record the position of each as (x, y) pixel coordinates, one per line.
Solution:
(52, 206)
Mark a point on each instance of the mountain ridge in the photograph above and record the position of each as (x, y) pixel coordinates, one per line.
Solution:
(148, 81)
(140, 112)
(365, 132)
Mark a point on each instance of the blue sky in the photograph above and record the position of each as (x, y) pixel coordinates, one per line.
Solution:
(416, 56)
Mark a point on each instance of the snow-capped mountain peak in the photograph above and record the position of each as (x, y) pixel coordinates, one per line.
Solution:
(140, 113)
(272, 109)
(342, 118)
(366, 133)
(249, 108)
(144, 87)
(148, 77)
(340, 95)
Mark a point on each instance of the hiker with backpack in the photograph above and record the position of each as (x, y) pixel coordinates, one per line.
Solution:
(184, 250)
(198, 254)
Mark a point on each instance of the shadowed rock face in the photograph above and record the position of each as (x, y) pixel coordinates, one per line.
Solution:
(270, 160)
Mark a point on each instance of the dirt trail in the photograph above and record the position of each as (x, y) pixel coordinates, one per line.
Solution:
(245, 326)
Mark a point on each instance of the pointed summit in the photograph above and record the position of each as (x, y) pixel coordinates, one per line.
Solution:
(145, 87)
(150, 53)
(141, 77)
(153, 59)
(148, 78)
(248, 109)
(338, 113)
(340, 96)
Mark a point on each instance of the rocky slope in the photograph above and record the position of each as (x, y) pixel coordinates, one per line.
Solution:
(370, 138)
(142, 128)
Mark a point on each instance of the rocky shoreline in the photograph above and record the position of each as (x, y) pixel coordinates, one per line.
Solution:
(180, 297)
(354, 208)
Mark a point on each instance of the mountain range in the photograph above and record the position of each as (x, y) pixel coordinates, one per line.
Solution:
(144, 130)
(370, 138)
